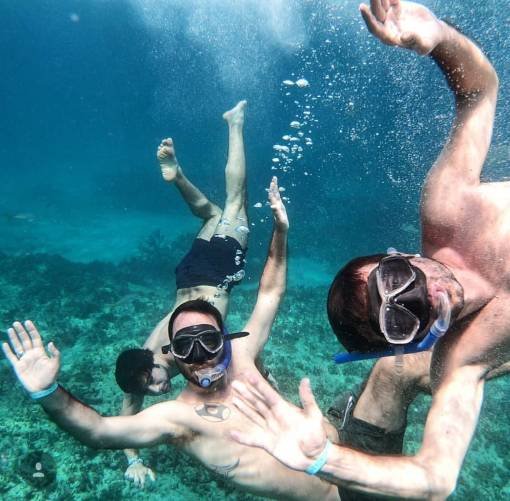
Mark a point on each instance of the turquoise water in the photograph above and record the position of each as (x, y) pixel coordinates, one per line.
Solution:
(88, 90)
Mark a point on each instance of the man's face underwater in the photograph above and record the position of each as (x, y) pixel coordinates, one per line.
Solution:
(439, 280)
(189, 370)
(158, 382)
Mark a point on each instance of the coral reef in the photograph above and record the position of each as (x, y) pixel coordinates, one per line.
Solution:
(93, 311)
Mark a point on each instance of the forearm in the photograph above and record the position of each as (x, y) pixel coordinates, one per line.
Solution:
(274, 276)
(468, 71)
(400, 476)
(73, 417)
(131, 404)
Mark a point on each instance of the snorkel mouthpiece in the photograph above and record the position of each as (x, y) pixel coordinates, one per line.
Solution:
(208, 376)
(438, 329)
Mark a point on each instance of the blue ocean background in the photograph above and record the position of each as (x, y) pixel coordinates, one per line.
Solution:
(89, 233)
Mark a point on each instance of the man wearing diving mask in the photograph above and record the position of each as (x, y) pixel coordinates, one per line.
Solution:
(455, 299)
(200, 418)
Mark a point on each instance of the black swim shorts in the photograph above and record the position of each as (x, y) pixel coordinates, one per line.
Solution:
(218, 262)
(362, 436)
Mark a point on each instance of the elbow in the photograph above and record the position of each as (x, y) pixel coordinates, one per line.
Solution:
(441, 480)
(94, 441)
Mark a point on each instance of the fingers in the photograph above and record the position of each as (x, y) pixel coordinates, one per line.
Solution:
(248, 411)
(9, 354)
(54, 351)
(15, 342)
(249, 439)
(250, 403)
(274, 192)
(376, 6)
(26, 341)
(151, 474)
(266, 392)
(34, 334)
(371, 21)
(307, 398)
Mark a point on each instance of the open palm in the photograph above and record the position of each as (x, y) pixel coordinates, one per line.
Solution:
(405, 24)
(292, 435)
(35, 369)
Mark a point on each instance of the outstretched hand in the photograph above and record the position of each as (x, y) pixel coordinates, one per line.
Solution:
(35, 369)
(138, 473)
(295, 436)
(275, 201)
(405, 24)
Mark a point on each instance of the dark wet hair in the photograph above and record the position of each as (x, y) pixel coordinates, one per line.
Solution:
(200, 305)
(348, 307)
(131, 368)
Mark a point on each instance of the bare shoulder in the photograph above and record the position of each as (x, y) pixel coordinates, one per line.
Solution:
(480, 342)
(174, 417)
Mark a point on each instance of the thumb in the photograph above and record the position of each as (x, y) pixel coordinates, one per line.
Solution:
(54, 351)
(307, 398)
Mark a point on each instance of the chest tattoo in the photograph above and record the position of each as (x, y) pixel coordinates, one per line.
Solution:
(213, 412)
(225, 471)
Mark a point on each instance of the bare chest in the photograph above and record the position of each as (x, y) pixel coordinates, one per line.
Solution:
(249, 467)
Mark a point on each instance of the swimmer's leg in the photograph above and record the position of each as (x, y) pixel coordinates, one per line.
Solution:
(387, 394)
(234, 222)
(375, 422)
(172, 172)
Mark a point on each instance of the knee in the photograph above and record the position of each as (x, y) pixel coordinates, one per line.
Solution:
(235, 200)
(206, 210)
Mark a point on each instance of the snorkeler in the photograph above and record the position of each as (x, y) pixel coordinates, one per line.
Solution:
(199, 419)
(457, 296)
(212, 267)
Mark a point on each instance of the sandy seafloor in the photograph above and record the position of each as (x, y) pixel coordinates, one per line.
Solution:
(93, 310)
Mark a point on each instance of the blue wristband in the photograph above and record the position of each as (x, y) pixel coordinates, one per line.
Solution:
(37, 395)
(317, 465)
(136, 460)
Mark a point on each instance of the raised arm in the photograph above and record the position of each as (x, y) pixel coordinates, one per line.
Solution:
(37, 372)
(273, 280)
(474, 84)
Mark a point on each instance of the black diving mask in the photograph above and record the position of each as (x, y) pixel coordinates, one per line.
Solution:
(198, 343)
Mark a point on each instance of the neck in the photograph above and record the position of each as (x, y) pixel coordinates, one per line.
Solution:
(477, 291)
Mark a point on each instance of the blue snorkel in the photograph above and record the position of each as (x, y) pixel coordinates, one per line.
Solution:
(438, 329)
(208, 376)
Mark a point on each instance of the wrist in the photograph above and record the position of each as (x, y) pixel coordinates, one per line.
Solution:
(39, 395)
(320, 461)
(135, 460)
(446, 38)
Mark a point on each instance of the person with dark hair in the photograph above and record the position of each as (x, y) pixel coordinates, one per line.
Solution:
(211, 268)
(200, 418)
(439, 322)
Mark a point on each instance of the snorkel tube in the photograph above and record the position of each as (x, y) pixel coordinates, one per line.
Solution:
(438, 329)
(208, 376)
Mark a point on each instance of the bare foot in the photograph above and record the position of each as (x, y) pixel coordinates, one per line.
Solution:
(167, 160)
(235, 116)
